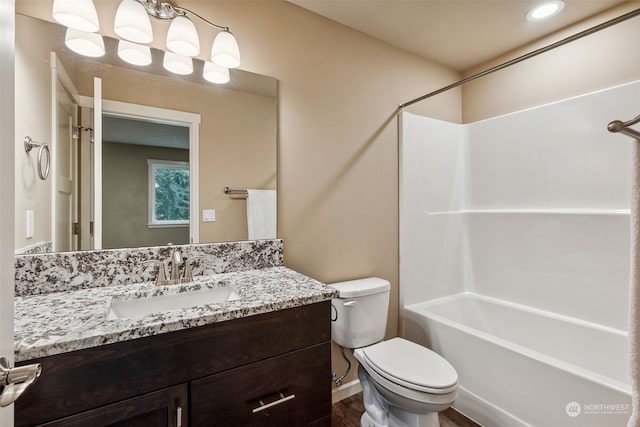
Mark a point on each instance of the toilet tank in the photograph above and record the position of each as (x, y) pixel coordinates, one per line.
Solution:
(359, 314)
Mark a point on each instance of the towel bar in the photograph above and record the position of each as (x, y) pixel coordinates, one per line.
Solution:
(228, 190)
(624, 127)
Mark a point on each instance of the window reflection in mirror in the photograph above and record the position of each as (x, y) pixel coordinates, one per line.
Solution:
(168, 192)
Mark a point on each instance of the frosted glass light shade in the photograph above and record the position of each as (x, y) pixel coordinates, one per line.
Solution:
(182, 37)
(80, 15)
(132, 22)
(133, 53)
(83, 43)
(177, 64)
(215, 73)
(225, 51)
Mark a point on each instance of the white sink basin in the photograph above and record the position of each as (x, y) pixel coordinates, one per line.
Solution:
(122, 309)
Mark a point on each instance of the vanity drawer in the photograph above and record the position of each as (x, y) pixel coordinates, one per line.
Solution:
(232, 398)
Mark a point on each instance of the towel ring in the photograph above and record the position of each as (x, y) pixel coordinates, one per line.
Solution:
(28, 146)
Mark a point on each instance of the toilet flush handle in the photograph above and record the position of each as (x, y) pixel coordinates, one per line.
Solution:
(350, 303)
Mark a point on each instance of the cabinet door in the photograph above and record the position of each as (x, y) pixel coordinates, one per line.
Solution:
(293, 389)
(164, 408)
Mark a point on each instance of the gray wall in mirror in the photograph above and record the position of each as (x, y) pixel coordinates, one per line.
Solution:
(237, 133)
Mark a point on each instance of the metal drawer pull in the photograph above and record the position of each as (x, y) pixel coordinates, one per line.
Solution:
(282, 399)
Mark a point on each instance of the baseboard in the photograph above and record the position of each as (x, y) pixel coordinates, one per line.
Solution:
(345, 390)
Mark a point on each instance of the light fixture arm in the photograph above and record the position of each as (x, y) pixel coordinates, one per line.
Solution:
(159, 9)
(166, 10)
(183, 11)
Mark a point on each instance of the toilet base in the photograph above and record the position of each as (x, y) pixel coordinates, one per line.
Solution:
(400, 418)
(367, 421)
(379, 413)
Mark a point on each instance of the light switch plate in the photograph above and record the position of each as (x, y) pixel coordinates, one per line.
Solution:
(208, 215)
(30, 223)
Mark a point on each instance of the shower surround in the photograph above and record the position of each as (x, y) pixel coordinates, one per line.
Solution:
(529, 211)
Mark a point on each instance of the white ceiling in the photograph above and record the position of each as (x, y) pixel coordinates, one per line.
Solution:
(457, 33)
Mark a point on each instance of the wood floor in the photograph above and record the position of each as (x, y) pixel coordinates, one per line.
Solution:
(347, 413)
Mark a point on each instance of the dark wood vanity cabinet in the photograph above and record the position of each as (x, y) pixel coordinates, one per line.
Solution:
(271, 369)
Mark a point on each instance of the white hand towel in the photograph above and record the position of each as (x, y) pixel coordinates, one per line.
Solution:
(261, 214)
(634, 289)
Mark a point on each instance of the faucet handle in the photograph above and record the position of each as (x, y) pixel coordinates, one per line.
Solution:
(198, 259)
(162, 274)
(187, 276)
(161, 278)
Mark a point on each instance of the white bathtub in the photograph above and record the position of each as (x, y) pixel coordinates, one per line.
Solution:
(520, 366)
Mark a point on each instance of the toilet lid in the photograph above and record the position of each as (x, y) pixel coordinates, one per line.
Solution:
(410, 364)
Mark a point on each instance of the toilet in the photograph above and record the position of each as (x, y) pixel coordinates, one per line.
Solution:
(404, 384)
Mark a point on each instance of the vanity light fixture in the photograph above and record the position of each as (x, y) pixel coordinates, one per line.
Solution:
(215, 74)
(83, 43)
(545, 10)
(80, 15)
(178, 64)
(224, 51)
(132, 22)
(182, 37)
(133, 26)
(134, 53)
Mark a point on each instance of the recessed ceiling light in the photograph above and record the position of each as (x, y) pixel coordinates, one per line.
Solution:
(545, 10)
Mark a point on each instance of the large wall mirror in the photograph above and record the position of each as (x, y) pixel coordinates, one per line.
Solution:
(145, 166)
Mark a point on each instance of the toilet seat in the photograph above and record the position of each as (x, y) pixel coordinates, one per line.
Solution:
(409, 365)
(379, 382)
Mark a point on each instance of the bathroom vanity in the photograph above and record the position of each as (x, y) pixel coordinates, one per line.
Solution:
(210, 375)
(261, 359)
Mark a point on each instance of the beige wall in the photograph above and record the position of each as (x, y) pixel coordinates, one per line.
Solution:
(337, 145)
(125, 196)
(32, 118)
(598, 61)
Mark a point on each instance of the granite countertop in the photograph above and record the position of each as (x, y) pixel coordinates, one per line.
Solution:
(72, 320)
